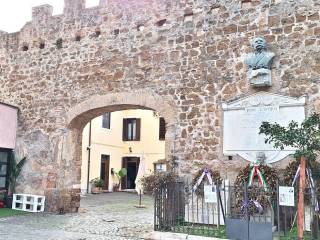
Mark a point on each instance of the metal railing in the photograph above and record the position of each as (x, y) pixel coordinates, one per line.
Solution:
(179, 209)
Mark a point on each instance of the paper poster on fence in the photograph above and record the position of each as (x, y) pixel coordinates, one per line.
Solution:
(210, 194)
(286, 196)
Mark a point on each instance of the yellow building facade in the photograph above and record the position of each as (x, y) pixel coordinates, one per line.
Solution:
(122, 139)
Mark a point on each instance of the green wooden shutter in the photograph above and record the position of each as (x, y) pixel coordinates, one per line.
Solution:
(125, 130)
(162, 129)
(138, 129)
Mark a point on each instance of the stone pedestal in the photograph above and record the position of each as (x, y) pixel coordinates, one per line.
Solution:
(260, 78)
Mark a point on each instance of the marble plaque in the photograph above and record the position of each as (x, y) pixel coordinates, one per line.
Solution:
(242, 119)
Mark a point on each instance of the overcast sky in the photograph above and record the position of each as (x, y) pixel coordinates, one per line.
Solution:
(15, 13)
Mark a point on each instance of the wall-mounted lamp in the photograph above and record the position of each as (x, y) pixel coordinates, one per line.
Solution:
(112, 171)
(130, 149)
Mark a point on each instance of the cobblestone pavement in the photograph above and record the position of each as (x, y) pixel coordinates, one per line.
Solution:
(103, 216)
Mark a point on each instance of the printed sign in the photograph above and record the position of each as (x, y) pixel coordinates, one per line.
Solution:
(210, 194)
(286, 196)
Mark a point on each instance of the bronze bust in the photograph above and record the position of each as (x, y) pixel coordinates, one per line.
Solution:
(259, 63)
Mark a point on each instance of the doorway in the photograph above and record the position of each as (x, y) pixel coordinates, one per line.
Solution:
(132, 166)
(104, 170)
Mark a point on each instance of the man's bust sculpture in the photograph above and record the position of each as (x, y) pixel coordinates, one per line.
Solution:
(259, 63)
(261, 158)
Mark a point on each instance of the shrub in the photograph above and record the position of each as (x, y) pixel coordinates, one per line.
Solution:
(157, 180)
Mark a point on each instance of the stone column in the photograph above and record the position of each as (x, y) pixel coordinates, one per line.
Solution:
(66, 197)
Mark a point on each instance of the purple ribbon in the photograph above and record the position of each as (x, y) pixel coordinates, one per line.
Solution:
(313, 191)
(205, 173)
(247, 204)
(311, 184)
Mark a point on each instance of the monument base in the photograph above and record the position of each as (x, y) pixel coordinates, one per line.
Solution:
(260, 78)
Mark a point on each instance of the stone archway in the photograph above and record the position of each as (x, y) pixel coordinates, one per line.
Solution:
(78, 116)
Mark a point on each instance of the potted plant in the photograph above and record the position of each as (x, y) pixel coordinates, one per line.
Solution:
(15, 167)
(97, 185)
(119, 175)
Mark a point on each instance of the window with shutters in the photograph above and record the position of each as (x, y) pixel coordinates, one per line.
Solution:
(162, 129)
(106, 118)
(131, 129)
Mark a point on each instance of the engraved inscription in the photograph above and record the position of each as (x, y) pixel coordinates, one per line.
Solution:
(242, 122)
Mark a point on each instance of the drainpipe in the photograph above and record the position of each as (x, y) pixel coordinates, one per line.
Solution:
(89, 157)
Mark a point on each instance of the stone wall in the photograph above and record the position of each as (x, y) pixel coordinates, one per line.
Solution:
(182, 54)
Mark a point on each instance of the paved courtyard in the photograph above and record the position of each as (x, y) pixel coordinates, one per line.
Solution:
(103, 216)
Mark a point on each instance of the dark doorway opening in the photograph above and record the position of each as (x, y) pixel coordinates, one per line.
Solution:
(104, 170)
(132, 166)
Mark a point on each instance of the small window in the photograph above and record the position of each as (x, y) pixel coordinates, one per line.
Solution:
(25, 48)
(162, 129)
(77, 38)
(97, 33)
(160, 167)
(131, 129)
(106, 118)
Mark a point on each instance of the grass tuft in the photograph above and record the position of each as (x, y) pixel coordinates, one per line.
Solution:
(8, 212)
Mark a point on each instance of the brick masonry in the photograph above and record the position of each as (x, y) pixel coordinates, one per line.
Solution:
(182, 58)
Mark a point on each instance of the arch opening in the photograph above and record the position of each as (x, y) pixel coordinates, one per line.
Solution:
(131, 106)
(131, 139)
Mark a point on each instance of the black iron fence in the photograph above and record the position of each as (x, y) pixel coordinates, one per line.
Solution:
(287, 217)
(233, 212)
(179, 209)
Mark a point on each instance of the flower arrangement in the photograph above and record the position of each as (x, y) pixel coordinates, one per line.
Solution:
(215, 175)
(256, 191)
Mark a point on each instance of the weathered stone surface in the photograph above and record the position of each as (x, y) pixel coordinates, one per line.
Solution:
(101, 217)
(183, 66)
